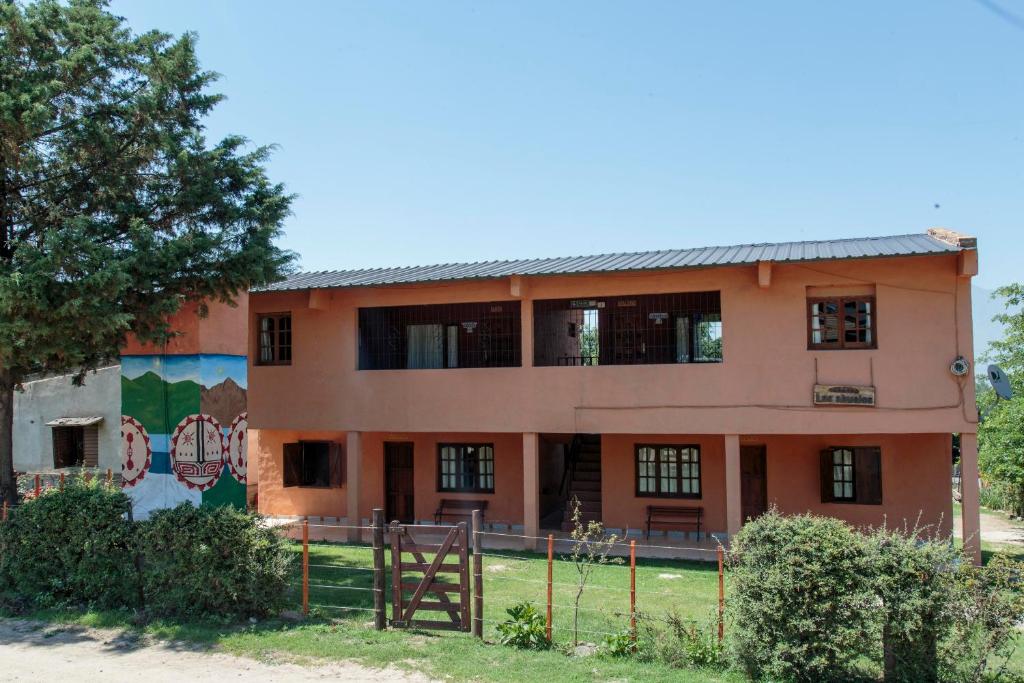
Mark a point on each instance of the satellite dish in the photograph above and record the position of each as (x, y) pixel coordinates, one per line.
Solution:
(1000, 382)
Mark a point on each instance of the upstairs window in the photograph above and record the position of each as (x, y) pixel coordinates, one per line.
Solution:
(317, 464)
(274, 339)
(841, 323)
(465, 467)
(643, 329)
(851, 475)
(668, 471)
(440, 336)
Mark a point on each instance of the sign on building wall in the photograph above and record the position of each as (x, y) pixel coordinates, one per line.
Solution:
(183, 430)
(845, 395)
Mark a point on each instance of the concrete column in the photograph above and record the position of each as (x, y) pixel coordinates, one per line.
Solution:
(971, 514)
(733, 498)
(353, 479)
(526, 332)
(531, 487)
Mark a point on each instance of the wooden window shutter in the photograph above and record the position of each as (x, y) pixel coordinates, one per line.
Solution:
(825, 461)
(337, 464)
(292, 464)
(91, 446)
(868, 471)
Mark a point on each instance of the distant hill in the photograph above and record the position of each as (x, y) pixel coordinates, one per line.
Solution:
(984, 308)
(157, 404)
(224, 401)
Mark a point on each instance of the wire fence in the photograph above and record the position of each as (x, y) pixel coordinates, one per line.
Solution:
(338, 578)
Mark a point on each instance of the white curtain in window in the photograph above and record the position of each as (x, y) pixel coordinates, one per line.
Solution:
(425, 346)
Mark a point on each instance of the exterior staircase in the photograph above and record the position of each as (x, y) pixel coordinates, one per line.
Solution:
(584, 481)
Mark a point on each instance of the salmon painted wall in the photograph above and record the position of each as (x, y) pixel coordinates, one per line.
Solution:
(223, 331)
(916, 472)
(763, 386)
(266, 449)
(622, 508)
(504, 505)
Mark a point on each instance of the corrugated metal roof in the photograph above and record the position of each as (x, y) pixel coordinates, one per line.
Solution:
(701, 257)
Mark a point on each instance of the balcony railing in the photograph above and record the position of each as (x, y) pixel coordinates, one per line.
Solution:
(628, 330)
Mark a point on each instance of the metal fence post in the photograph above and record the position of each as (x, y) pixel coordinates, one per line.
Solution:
(721, 593)
(379, 616)
(478, 576)
(551, 564)
(305, 566)
(632, 592)
(62, 481)
(39, 486)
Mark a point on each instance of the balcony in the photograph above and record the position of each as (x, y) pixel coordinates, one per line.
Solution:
(628, 330)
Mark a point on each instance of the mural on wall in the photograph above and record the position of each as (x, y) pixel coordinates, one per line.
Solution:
(183, 430)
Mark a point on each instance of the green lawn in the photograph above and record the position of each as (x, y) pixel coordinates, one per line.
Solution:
(338, 577)
(688, 588)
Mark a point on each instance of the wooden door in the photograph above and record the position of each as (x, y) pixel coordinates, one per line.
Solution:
(753, 481)
(398, 482)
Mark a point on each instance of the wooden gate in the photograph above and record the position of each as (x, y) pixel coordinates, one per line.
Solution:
(453, 546)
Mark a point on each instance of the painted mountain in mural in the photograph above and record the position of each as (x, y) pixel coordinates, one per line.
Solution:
(224, 401)
(157, 404)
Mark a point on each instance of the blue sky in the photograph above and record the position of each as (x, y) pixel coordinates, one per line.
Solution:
(438, 131)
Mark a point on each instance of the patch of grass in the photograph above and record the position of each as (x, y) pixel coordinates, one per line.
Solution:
(689, 588)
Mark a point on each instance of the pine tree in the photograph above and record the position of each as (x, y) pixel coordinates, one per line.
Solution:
(114, 208)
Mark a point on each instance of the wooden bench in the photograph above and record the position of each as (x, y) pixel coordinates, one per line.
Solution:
(458, 509)
(671, 518)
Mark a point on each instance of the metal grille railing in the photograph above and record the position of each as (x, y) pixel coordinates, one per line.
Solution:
(628, 330)
(471, 335)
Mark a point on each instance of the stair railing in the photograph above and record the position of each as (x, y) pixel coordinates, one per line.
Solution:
(569, 472)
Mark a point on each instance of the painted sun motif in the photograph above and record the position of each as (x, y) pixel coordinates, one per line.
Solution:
(236, 452)
(197, 451)
(136, 451)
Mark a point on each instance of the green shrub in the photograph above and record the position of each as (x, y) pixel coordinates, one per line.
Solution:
(987, 604)
(71, 547)
(801, 600)
(681, 643)
(202, 562)
(618, 644)
(525, 629)
(915, 579)
(998, 496)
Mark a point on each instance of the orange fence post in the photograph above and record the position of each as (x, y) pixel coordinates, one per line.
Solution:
(61, 481)
(305, 566)
(5, 511)
(39, 486)
(721, 594)
(110, 476)
(551, 562)
(632, 591)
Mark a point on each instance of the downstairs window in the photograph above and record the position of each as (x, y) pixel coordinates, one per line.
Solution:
(317, 464)
(851, 475)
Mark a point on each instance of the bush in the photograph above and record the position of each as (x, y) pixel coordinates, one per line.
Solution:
(525, 629)
(681, 643)
(986, 605)
(618, 644)
(916, 581)
(71, 547)
(801, 598)
(201, 562)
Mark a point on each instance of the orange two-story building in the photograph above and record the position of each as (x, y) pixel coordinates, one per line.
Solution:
(812, 376)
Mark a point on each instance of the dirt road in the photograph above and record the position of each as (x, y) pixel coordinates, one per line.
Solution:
(31, 651)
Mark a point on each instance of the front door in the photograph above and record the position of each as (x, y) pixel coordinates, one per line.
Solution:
(398, 482)
(753, 481)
